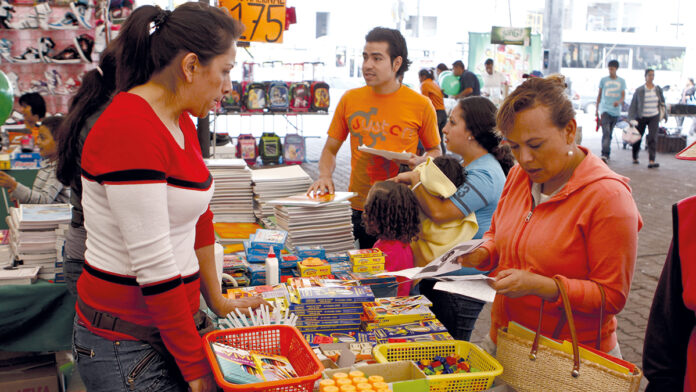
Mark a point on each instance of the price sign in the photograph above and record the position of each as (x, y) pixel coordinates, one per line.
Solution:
(264, 19)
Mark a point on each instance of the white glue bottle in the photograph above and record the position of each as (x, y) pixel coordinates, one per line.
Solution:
(272, 270)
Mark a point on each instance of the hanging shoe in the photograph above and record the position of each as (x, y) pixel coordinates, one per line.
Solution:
(39, 86)
(30, 55)
(80, 9)
(5, 49)
(42, 12)
(69, 22)
(29, 22)
(84, 44)
(14, 82)
(55, 82)
(72, 85)
(46, 46)
(6, 11)
(69, 55)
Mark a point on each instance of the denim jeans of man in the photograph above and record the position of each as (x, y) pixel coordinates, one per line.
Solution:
(72, 269)
(122, 365)
(608, 124)
(653, 124)
(456, 312)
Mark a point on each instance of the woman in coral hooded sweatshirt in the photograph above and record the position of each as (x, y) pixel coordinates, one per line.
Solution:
(563, 214)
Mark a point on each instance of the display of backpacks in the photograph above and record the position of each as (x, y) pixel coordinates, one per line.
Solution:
(233, 101)
(270, 148)
(255, 97)
(294, 149)
(300, 97)
(278, 96)
(320, 96)
(247, 149)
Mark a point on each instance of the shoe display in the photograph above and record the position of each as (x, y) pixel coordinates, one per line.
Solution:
(55, 82)
(14, 82)
(84, 44)
(46, 46)
(6, 11)
(5, 48)
(80, 9)
(69, 22)
(30, 55)
(69, 55)
(42, 12)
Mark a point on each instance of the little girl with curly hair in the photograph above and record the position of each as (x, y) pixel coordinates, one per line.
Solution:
(391, 215)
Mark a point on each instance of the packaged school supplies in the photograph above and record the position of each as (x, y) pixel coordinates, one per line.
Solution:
(274, 367)
(337, 257)
(371, 269)
(304, 252)
(313, 266)
(237, 365)
(402, 301)
(409, 329)
(328, 295)
(271, 294)
(317, 338)
(386, 315)
(267, 238)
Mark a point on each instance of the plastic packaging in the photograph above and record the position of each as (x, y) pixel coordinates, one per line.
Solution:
(272, 269)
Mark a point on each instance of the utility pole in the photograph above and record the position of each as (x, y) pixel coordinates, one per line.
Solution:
(204, 126)
(553, 35)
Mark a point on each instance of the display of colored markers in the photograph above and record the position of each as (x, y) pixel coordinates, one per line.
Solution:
(260, 316)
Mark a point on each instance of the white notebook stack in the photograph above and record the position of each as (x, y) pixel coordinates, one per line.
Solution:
(36, 230)
(275, 183)
(233, 198)
(328, 225)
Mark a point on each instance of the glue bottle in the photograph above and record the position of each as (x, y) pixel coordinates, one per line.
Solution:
(272, 273)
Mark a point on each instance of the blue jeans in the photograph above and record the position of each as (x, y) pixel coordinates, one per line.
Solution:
(608, 124)
(123, 365)
(72, 269)
(456, 312)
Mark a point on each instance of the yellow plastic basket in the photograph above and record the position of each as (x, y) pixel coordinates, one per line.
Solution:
(479, 381)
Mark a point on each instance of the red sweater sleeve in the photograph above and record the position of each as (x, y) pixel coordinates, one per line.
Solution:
(205, 232)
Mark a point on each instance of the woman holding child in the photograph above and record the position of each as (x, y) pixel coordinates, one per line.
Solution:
(564, 220)
(470, 132)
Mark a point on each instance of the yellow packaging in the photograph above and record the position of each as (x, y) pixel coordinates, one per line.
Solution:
(367, 260)
(374, 252)
(356, 373)
(359, 380)
(314, 270)
(363, 386)
(344, 381)
(340, 375)
(372, 268)
(378, 384)
(347, 388)
(5, 162)
(324, 384)
(329, 389)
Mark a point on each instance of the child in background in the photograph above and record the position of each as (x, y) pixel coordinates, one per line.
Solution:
(441, 177)
(46, 189)
(391, 215)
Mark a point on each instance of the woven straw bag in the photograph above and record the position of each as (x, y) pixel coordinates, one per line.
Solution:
(528, 366)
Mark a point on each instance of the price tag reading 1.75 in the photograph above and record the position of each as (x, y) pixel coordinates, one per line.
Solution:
(264, 19)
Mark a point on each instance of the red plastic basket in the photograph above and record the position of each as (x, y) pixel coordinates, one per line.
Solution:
(270, 339)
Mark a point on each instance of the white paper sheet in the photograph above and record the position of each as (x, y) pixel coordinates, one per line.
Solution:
(442, 265)
(476, 289)
(391, 155)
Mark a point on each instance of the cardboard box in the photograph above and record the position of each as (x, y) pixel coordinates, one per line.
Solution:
(373, 252)
(372, 268)
(37, 375)
(403, 376)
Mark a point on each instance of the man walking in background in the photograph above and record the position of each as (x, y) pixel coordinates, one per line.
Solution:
(612, 91)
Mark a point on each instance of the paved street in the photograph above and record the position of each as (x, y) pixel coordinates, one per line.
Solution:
(654, 190)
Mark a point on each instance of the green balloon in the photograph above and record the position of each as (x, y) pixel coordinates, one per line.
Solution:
(442, 76)
(6, 98)
(450, 85)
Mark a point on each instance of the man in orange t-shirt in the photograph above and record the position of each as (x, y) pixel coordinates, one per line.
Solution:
(383, 115)
(431, 90)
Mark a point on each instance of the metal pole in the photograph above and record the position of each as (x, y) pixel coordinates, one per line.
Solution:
(204, 126)
(553, 35)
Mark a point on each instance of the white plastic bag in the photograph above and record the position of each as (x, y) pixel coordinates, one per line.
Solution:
(631, 135)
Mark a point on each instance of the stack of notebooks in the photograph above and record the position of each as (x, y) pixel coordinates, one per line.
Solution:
(18, 275)
(6, 259)
(37, 235)
(326, 306)
(275, 183)
(312, 222)
(386, 312)
(233, 198)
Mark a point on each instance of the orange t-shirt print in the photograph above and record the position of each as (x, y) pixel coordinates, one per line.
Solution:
(392, 122)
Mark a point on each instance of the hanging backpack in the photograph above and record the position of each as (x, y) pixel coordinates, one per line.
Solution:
(300, 97)
(255, 97)
(320, 97)
(278, 96)
(247, 149)
(233, 101)
(294, 149)
(270, 148)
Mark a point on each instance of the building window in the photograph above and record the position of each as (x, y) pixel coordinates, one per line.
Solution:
(602, 16)
(322, 24)
(429, 26)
